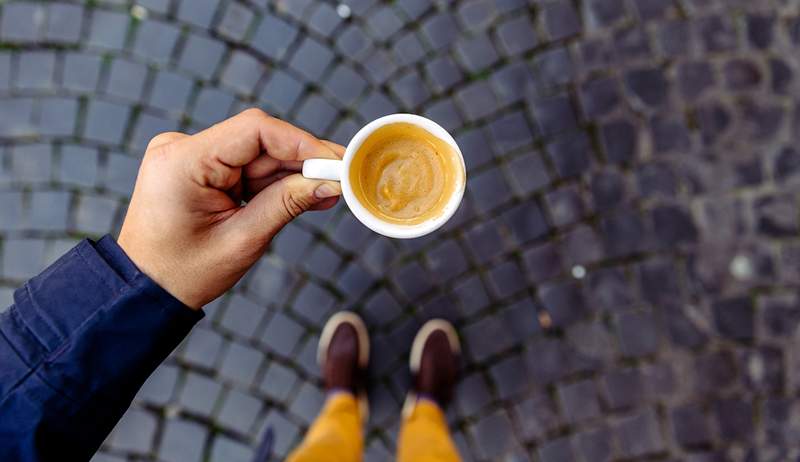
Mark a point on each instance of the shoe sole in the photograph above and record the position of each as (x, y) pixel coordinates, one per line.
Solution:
(415, 358)
(362, 334)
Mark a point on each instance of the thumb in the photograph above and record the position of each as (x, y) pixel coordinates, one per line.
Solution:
(281, 202)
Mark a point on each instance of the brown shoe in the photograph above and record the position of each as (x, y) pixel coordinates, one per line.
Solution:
(343, 356)
(434, 364)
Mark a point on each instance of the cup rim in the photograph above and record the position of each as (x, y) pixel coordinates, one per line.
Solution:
(378, 225)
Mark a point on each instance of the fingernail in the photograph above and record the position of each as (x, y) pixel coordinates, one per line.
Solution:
(326, 190)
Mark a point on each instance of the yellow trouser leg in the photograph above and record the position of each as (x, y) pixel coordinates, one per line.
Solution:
(335, 435)
(424, 436)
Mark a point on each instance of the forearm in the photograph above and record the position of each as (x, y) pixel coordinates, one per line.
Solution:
(77, 345)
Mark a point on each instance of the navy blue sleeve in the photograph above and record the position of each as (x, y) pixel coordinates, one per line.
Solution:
(76, 346)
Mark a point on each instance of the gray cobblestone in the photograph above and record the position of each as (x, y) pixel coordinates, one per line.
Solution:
(95, 215)
(182, 440)
(199, 394)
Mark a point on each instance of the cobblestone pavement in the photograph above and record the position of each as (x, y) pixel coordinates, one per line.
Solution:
(623, 271)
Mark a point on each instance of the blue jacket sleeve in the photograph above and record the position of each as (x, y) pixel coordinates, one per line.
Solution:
(76, 346)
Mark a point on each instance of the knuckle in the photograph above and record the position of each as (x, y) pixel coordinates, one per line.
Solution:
(255, 113)
(163, 139)
(294, 205)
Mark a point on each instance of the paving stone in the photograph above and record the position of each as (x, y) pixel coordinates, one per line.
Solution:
(198, 14)
(375, 104)
(242, 316)
(690, 426)
(239, 411)
(78, 165)
(36, 70)
(410, 89)
(648, 87)
(571, 154)
(135, 432)
(599, 97)
(493, 434)
(446, 114)
(200, 394)
(22, 258)
(489, 189)
(555, 67)
(537, 416)
(563, 301)
(21, 22)
(95, 215)
(476, 53)
(354, 42)
(561, 20)
(282, 334)
(106, 121)
(527, 173)
(734, 418)
(439, 30)
(555, 450)
(182, 440)
(734, 318)
(121, 173)
(638, 334)
(308, 402)
(32, 163)
(384, 22)
(517, 35)
(64, 23)
(49, 210)
(316, 114)
(443, 73)
(241, 363)
(235, 21)
(608, 189)
(155, 41)
(631, 44)
(511, 132)
(603, 13)
(311, 59)
(716, 33)
(579, 400)
(408, 49)
(554, 114)
(147, 126)
(228, 450)
(639, 434)
(108, 29)
(242, 73)
(741, 74)
(624, 233)
(201, 55)
(314, 303)
(278, 382)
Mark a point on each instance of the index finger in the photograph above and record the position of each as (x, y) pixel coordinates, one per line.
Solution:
(239, 140)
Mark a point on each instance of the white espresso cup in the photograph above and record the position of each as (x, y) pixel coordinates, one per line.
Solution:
(339, 170)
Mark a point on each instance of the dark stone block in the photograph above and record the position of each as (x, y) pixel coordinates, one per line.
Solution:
(561, 20)
(354, 42)
(741, 74)
(472, 395)
(631, 44)
(608, 188)
(557, 450)
(781, 76)
(235, 22)
(776, 216)
(599, 97)
(242, 316)
(106, 121)
(658, 280)
(440, 31)
(313, 303)
(273, 37)
(734, 318)
(694, 77)
(564, 301)
(580, 401)
(604, 13)
(199, 14)
(571, 154)
(542, 262)
(282, 91)
(595, 444)
(669, 134)
(443, 73)
(638, 333)
(413, 281)
(653, 9)
(242, 73)
(525, 222)
(714, 119)
(64, 23)
(620, 139)
(384, 22)
(375, 104)
(487, 337)
(554, 66)
(685, 330)
(477, 100)
(639, 434)
(316, 114)
(241, 363)
(717, 34)
(510, 377)
(760, 30)
(493, 434)
(734, 419)
(408, 49)
(21, 22)
(477, 14)
(511, 132)
(476, 53)
(624, 388)
(656, 179)
(517, 35)
(647, 87)
(447, 260)
(155, 41)
(554, 115)
(506, 279)
(445, 113)
(410, 90)
(690, 426)
(489, 190)
(675, 37)
(472, 295)
(527, 173)
(537, 415)
(565, 205)
(581, 245)
(324, 20)
(673, 225)
(624, 233)
(311, 59)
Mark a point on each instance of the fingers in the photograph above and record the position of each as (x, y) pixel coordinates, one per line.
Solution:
(279, 203)
(337, 149)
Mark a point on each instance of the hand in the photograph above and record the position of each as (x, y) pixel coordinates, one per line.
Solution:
(186, 227)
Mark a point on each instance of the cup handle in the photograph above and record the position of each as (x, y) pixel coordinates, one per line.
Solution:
(323, 169)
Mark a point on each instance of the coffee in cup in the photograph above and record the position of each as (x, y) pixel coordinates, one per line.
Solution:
(402, 175)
